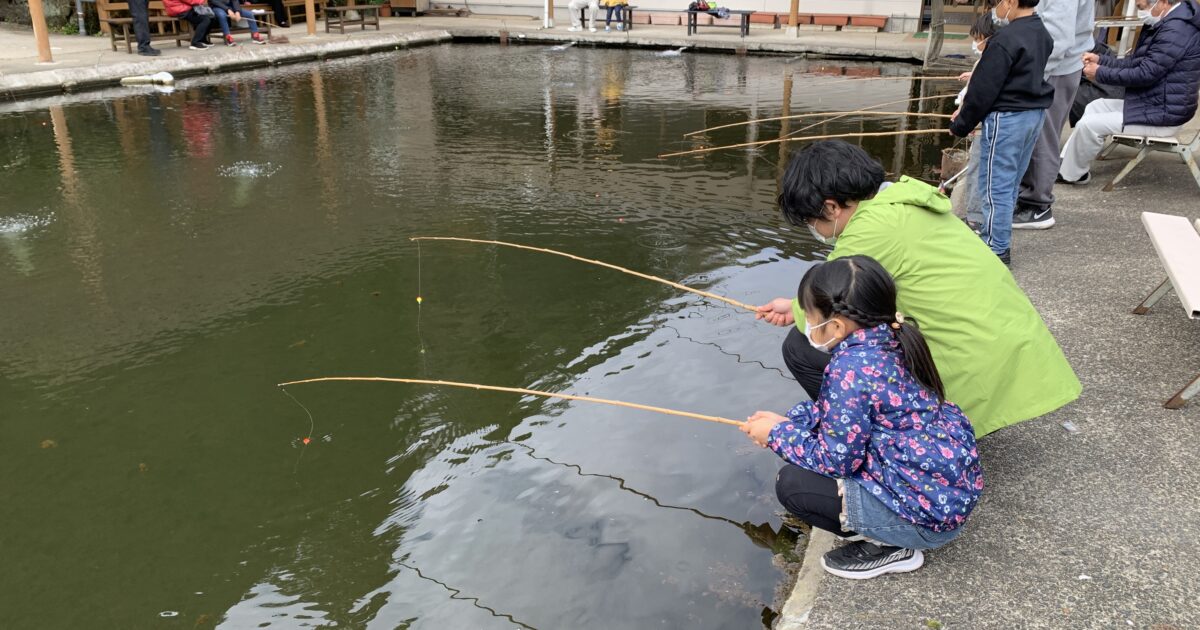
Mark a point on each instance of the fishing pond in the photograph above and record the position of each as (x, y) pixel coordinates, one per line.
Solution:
(168, 256)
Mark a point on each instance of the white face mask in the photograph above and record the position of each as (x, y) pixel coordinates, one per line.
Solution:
(1147, 18)
(1000, 21)
(823, 347)
(821, 238)
(975, 48)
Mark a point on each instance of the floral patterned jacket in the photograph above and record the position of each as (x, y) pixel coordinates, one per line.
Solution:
(877, 425)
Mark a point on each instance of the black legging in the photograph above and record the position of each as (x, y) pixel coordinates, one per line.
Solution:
(200, 24)
(811, 497)
(805, 362)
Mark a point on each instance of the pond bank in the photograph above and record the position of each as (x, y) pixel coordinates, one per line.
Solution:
(84, 63)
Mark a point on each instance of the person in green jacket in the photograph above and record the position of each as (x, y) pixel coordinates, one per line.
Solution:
(998, 360)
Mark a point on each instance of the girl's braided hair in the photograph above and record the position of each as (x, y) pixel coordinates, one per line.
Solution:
(861, 290)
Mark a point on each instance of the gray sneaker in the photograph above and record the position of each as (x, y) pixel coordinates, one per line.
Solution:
(865, 560)
(1026, 218)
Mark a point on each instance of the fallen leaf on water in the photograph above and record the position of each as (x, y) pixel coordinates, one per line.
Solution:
(143, 468)
(299, 344)
(375, 293)
(49, 444)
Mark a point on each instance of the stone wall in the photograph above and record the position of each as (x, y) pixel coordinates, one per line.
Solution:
(17, 11)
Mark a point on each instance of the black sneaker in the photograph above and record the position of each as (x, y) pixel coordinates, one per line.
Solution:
(1026, 218)
(1006, 257)
(198, 46)
(864, 560)
(1082, 181)
(149, 52)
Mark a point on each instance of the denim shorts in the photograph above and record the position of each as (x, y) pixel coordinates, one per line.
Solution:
(868, 516)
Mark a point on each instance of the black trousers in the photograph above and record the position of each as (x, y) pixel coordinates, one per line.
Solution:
(200, 25)
(139, 11)
(281, 14)
(811, 497)
(806, 363)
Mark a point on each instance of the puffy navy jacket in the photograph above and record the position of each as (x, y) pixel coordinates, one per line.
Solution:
(1162, 76)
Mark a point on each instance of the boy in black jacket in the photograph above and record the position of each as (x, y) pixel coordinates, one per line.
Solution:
(1008, 93)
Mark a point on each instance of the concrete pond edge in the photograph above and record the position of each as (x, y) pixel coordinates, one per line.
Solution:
(14, 87)
(799, 604)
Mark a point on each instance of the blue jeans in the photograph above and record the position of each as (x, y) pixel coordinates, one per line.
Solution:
(868, 516)
(223, 20)
(609, 16)
(1005, 147)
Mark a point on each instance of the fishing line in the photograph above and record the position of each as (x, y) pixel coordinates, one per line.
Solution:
(311, 427)
(420, 300)
(457, 594)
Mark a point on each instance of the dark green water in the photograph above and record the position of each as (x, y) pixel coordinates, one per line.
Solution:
(167, 258)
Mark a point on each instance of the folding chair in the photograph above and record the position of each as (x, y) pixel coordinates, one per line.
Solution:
(1145, 144)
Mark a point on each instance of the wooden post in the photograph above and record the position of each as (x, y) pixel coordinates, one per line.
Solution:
(310, 17)
(794, 18)
(937, 28)
(548, 14)
(37, 15)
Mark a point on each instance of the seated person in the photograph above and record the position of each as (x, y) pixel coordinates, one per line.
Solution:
(197, 13)
(998, 360)
(574, 6)
(614, 7)
(1161, 78)
(227, 10)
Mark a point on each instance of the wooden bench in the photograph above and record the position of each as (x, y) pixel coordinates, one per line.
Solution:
(1187, 151)
(116, 21)
(1178, 247)
(626, 15)
(743, 25)
(294, 9)
(368, 14)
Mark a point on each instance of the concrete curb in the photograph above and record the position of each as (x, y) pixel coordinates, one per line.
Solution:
(794, 615)
(18, 86)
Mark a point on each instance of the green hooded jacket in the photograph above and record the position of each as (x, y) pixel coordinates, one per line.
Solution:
(997, 359)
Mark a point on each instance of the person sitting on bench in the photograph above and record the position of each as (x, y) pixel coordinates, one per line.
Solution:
(227, 10)
(574, 7)
(197, 13)
(1161, 79)
(614, 7)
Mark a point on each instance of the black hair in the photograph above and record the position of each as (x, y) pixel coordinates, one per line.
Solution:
(860, 289)
(984, 27)
(1027, 4)
(830, 169)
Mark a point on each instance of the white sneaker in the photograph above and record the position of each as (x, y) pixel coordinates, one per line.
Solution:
(575, 29)
(607, 29)
(593, 29)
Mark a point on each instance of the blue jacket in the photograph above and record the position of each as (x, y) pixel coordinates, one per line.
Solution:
(1162, 75)
(876, 425)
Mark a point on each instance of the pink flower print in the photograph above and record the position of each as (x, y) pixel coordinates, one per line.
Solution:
(920, 451)
(894, 399)
(848, 381)
(947, 453)
(923, 501)
(979, 483)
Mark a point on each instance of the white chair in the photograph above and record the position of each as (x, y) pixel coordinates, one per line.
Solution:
(1187, 151)
(1178, 247)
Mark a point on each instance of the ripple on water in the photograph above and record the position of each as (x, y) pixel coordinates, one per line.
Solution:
(24, 223)
(249, 170)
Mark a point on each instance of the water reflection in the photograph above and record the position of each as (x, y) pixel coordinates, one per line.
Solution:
(174, 451)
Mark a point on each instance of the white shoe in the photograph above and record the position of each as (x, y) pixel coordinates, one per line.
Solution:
(575, 29)
(593, 29)
(607, 29)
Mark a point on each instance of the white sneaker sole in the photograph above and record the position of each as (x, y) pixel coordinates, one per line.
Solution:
(912, 564)
(1035, 225)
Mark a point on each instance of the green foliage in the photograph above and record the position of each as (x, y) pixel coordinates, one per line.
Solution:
(933, 624)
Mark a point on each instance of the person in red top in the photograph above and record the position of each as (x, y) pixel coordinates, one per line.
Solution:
(199, 19)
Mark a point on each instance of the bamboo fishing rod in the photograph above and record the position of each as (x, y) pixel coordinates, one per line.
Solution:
(865, 134)
(836, 115)
(940, 77)
(681, 287)
(859, 112)
(517, 390)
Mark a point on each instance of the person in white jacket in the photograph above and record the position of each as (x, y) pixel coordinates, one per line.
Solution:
(1071, 23)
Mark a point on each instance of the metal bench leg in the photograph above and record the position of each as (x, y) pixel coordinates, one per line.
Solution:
(1189, 158)
(1128, 167)
(1187, 393)
(1153, 298)
(1107, 150)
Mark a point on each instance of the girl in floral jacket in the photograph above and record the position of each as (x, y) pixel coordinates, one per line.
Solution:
(880, 459)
